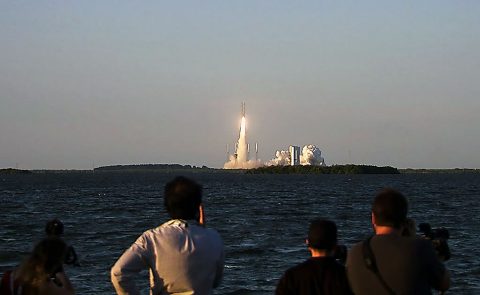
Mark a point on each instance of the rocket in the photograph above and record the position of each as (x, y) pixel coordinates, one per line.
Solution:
(243, 109)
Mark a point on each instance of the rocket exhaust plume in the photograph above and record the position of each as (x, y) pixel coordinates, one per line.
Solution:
(240, 159)
(242, 148)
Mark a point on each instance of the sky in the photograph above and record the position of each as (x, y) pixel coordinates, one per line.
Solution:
(93, 83)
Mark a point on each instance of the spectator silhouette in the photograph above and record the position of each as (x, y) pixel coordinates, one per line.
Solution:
(321, 274)
(41, 273)
(55, 228)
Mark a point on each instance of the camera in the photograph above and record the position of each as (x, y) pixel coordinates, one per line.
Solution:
(340, 253)
(439, 237)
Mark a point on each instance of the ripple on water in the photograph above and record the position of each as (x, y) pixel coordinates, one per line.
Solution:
(262, 218)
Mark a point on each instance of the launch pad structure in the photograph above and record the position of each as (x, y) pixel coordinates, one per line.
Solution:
(294, 156)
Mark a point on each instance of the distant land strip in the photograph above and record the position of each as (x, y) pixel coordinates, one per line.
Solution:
(335, 169)
(14, 171)
(438, 171)
(153, 167)
(178, 168)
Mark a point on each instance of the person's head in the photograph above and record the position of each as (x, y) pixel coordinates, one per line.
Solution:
(54, 227)
(45, 260)
(389, 209)
(409, 228)
(322, 235)
(182, 198)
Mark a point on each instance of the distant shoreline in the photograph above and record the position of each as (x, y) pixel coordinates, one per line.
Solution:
(335, 169)
(177, 168)
(151, 167)
(14, 171)
(439, 171)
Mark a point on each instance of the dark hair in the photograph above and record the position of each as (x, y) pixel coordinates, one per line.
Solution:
(45, 260)
(390, 208)
(322, 234)
(182, 198)
(54, 227)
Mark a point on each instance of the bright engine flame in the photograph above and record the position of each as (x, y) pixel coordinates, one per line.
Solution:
(243, 127)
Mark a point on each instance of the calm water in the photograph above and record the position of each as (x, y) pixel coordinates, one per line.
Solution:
(262, 219)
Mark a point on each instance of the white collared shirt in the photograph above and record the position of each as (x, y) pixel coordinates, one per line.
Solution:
(183, 258)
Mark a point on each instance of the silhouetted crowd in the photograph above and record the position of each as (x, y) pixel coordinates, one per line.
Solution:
(184, 256)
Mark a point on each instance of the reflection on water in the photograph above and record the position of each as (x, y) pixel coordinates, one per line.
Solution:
(262, 219)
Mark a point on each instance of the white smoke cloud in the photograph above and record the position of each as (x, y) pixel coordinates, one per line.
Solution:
(282, 158)
(235, 164)
(311, 155)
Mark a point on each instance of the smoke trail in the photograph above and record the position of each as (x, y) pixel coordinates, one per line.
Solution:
(240, 159)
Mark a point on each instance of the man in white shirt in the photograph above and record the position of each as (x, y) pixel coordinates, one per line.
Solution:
(183, 256)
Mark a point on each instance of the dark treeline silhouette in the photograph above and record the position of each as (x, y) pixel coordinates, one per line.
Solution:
(439, 171)
(148, 167)
(14, 171)
(335, 169)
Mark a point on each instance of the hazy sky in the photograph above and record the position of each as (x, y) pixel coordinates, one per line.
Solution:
(118, 82)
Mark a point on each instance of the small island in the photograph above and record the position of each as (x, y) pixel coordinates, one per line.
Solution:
(14, 171)
(152, 168)
(335, 169)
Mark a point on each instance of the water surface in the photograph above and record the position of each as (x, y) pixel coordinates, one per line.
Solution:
(262, 219)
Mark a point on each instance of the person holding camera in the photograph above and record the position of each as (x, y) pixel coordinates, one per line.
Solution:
(182, 255)
(321, 274)
(41, 273)
(55, 228)
(389, 263)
